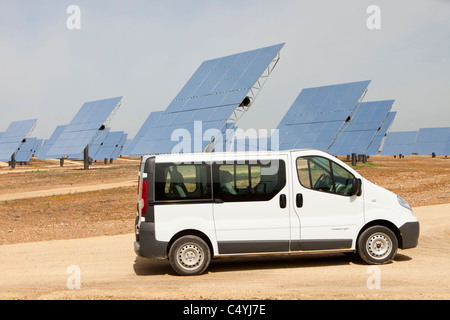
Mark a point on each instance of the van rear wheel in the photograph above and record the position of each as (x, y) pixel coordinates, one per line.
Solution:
(189, 256)
(377, 245)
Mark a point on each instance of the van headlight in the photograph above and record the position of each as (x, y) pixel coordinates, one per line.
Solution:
(403, 203)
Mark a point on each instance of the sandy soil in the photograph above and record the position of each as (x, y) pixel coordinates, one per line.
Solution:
(110, 270)
(42, 237)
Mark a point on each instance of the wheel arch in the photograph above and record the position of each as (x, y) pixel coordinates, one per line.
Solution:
(384, 223)
(190, 232)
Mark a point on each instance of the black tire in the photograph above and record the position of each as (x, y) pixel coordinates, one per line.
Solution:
(189, 256)
(377, 245)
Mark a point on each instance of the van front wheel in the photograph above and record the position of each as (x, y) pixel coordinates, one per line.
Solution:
(189, 256)
(377, 245)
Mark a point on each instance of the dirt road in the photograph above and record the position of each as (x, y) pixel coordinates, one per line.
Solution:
(109, 269)
(64, 191)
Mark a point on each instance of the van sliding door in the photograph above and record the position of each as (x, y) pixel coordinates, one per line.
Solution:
(251, 214)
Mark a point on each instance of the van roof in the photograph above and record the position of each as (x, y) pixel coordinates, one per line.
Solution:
(209, 155)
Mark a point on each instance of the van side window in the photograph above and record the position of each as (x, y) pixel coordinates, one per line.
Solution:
(342, 179)
(257, 181)
(321, 174)
(182, 182)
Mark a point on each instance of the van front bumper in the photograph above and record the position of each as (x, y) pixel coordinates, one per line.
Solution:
(410, 235)
(146, 244)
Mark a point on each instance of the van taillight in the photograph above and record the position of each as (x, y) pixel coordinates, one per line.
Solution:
(144, 198)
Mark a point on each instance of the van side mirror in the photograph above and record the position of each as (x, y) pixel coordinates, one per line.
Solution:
(356, 187)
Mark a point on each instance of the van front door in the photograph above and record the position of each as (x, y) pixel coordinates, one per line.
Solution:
(251, 211)
(330, 216)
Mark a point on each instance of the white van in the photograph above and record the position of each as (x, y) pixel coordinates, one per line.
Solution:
(195, 207)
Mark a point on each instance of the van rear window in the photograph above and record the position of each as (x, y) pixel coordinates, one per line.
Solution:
(182, 182)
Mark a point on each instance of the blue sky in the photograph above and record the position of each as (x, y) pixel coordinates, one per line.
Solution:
(147, 50)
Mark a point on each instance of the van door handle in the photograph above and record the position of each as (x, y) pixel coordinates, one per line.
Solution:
(283, 202)
(299, 200)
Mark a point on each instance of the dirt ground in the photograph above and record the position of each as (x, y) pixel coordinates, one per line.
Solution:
(41, 237)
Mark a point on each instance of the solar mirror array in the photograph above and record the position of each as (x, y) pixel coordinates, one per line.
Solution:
(433, 141)
(377, 142)
(48, 143)
(334, 119)
(95, 145)
(14, 137)
(125, 146)
(111, 146)
(119, 147)
(87, 125)
(150, 122)
(203, 117)
(209, 105)
(425, 141)
(362, 129)
(399, 143)
(30, 148)
(84, 127)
